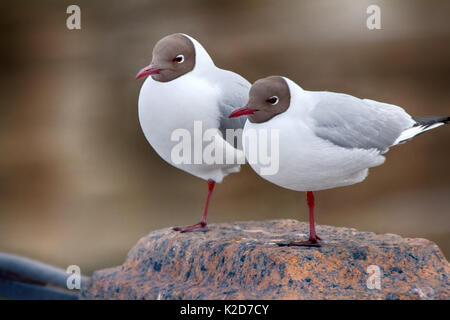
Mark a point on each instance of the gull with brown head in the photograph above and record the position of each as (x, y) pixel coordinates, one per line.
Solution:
(184, 88)
(326, 139)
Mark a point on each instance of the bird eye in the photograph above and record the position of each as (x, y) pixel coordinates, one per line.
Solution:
(179, 58)
(273, 100)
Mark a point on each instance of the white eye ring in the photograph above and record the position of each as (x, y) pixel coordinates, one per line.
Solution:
(276, 100)
(179, 56)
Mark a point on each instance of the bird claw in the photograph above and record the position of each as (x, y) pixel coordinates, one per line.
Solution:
(198, 227)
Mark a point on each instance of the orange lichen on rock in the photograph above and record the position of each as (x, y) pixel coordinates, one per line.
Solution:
(242, 260)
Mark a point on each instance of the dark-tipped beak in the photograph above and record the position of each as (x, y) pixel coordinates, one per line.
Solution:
(147, 71)
(242, 112)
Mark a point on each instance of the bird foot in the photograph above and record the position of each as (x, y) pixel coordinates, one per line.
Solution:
(308, 243)
(198, 227)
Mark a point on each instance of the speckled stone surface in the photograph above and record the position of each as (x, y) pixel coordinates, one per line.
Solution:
(243, 261)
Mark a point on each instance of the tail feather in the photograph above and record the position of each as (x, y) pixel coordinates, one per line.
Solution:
(422, 125)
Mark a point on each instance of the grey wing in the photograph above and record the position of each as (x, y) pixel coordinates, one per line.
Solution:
(234, 95)
(351, 122)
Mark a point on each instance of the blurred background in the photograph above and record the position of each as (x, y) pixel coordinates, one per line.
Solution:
(79, 183)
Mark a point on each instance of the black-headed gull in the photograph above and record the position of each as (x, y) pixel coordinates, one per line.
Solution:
(185, 88)
(326, 139)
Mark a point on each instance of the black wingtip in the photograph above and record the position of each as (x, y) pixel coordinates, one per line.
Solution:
(428, 121)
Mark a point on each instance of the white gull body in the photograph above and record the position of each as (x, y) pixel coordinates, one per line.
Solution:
(206, 94)
(329, 140)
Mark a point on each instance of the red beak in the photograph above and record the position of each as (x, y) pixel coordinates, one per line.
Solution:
(147, 71)
(242, 112)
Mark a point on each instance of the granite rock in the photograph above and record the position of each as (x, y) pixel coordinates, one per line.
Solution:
(242, 260)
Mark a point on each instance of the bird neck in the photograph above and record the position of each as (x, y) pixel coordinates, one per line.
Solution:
(202, 59)
(301, 102)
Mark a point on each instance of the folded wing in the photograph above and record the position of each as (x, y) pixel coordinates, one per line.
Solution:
(234, 89)
(350, 122)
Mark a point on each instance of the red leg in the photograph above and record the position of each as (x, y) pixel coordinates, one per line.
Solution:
(201, 226)
(312, 224)
(313, 237)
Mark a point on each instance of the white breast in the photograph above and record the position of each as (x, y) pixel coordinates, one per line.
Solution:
(166, 107)
(306, 162)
